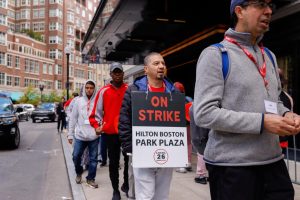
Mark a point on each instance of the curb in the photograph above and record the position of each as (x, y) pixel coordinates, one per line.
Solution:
(76, 189)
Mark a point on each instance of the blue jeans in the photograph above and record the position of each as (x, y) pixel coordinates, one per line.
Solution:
(79, 148)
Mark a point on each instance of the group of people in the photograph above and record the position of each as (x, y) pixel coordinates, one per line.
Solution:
(235, 120)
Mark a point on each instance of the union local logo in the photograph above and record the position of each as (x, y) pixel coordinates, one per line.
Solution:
(161, 156)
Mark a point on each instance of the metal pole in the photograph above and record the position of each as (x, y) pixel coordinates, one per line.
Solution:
(68, 87)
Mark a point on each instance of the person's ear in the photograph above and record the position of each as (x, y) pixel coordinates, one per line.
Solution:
(146, 69)
(239, 11)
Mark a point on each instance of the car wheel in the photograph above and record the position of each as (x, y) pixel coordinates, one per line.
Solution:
(33, 120)
(14, 140)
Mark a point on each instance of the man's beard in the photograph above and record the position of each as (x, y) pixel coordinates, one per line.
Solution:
(160, 77)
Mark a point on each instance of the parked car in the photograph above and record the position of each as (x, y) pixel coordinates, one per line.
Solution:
(9, 124)
(28, 107)
(22, 113)
(44, 111)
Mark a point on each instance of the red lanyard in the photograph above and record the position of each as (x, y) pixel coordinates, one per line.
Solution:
(263, 69)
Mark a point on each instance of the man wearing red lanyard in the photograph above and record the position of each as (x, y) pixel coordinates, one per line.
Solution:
(150, 183)
(105, 118)
(84, 134)
(243, 111)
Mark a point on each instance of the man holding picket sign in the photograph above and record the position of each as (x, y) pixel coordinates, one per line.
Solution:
(152, 127)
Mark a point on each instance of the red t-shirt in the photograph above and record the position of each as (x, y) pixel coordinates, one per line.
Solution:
(154, 89)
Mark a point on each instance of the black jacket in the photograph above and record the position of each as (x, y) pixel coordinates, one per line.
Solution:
(125, 119)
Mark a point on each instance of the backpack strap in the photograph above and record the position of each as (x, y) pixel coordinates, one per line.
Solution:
(270, 55)
(225, 59)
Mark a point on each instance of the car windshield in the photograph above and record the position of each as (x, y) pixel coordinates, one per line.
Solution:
(46, 106)
(5, 105)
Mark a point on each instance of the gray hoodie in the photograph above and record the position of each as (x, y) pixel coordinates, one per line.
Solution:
(79, 118)
(233, 108)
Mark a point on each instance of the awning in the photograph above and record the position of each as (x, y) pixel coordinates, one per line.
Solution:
(14, 95)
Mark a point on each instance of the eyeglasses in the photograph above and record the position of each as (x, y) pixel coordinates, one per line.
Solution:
(260, 4)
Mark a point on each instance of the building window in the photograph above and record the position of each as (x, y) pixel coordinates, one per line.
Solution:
(78, 73)
(35, 13)
(55, 13)
(52, 13)
(70, 30)
(9, 60)
(2, 38)
(3, 19)
(17, 81)
(25, 2)
(52, 39)
(56, 1)
(42, 27)
(17, 63)
(11, 26)
(9, 80)
(25, 25)
(71, 71)
(52, 54)
(27, 65)
(45, 68)
(70, 17)
(3, 3)
(59, 84)
(2, 58)
(48, 84)
(60, 26)
(25, 14)
(58, 69)
(35, 26)
(70, 43)
(11, 14)
(59, 54)
(52, 26)
(90, 75)
(2, 78)
(50, 69)
(32, 82)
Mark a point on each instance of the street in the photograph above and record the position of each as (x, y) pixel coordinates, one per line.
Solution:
(37, 169)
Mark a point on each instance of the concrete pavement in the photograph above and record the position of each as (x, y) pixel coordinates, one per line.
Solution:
(183, 186)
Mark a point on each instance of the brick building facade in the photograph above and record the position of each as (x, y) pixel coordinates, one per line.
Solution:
(54, 24)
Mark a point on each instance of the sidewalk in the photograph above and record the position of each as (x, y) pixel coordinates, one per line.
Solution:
(183, 186)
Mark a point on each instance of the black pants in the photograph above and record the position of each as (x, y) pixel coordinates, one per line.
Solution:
(61, 123)
(125, 172)
(113, 148)
(265, 182)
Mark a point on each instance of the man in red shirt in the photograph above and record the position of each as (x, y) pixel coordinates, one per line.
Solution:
(105, 118)
(150, 183)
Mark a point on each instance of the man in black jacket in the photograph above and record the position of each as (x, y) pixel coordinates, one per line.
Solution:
(150, 183)
(60, 111)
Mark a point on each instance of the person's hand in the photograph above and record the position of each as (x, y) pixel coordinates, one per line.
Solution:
(295, 117)
(70, 141)
(280, 125)
(99, 129)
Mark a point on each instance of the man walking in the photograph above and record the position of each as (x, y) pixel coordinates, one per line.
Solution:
(84, 134)
(242, 110)
(105, 118)
(61, 113)
(150, 183)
